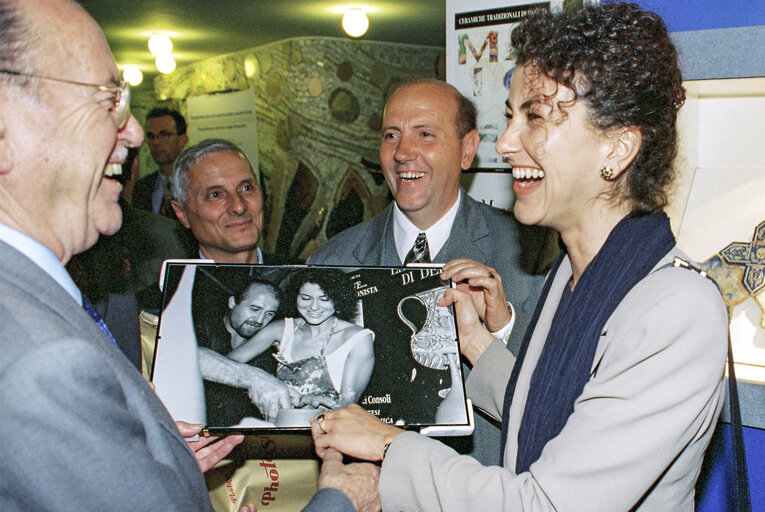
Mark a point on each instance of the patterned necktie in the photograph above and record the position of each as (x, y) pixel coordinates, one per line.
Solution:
(165, 208)
(419, 252)
(87, 306)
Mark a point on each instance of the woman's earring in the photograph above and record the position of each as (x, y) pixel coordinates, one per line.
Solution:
(606, 173)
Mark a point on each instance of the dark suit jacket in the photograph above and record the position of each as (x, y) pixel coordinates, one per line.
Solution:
(479, 232)
(120, 273)
(142, 191)
(81, 429)
(131, 259)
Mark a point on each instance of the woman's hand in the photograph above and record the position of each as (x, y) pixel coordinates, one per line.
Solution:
(484, 285)
(352, 431)
(473, 336)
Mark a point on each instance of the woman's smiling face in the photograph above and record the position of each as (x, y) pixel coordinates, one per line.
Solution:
(555, 151)
(313, 304)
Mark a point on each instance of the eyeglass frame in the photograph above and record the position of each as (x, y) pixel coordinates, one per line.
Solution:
(162, 135)
(120, 103)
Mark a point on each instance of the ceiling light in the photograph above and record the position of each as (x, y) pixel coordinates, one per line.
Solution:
(165, 63)
(132, 75)
(160, 44)
(355, 22)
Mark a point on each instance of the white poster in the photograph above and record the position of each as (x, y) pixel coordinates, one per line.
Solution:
(723, 229)
(229, 116)
(480, 61)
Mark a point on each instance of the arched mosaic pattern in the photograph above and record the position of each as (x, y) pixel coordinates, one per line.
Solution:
(319, 103)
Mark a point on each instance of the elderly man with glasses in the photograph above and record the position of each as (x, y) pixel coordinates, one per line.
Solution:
(81, 429)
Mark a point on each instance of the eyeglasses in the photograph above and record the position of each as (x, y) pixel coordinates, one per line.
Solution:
(162, 135)
(120, 103)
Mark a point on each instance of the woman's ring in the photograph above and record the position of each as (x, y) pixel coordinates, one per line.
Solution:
(319, 420)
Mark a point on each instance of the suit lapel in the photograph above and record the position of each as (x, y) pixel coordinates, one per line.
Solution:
(377, 246)
(22, 272)
(469, 235)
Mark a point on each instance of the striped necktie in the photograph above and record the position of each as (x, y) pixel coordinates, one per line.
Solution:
(419, 252)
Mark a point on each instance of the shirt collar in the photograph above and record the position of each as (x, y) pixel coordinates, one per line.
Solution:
(260, 256)
(405, 232)
(42, 257)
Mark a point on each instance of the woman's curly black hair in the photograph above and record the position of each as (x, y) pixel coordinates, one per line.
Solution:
(620, 61)
(334, 283)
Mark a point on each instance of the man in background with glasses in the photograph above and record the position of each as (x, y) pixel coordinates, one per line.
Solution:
(166, 137)
(81, 429)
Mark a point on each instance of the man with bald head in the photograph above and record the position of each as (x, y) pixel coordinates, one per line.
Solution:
(428, 138)
(81, 429)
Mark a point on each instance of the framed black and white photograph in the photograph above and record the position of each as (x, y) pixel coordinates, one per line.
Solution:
(261, 349)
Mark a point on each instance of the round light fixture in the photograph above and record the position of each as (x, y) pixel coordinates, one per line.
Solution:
(160, 44)
(355, 22)
(165, 63)
(132, 75)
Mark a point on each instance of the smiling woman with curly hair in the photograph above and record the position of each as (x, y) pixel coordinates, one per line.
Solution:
(615, 392)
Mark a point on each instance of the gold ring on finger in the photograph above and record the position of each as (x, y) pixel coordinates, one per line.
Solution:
(320, 420)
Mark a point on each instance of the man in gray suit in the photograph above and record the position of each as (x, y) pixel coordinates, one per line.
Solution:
(429, 137)
(81, 428)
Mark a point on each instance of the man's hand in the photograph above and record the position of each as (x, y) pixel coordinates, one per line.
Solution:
(358, 481)
(208, 450)
(484, 285)
(268, 394)
(318, 401)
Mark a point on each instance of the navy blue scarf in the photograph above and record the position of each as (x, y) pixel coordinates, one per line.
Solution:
(632, 249)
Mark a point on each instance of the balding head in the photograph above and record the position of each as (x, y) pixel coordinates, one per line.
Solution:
(60, 130)
(465, 111)
(424, 150)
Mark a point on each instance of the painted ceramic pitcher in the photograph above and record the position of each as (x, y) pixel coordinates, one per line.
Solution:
(437, 337)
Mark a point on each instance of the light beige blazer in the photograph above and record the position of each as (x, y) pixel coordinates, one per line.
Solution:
(639, 429)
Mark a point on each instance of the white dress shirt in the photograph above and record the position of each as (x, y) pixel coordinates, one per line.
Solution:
(405, 232)
(260, 256)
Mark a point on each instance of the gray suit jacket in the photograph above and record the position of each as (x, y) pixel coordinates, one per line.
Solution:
(329, 500)
(81, 429)
(480, 232)
(639, 429)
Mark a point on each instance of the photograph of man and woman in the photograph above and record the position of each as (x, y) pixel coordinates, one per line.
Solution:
(277, 345)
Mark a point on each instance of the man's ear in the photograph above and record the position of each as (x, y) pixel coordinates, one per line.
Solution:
(469, 148)
(180, 213)
(625, 143)
(184, 139)
(231, 302)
